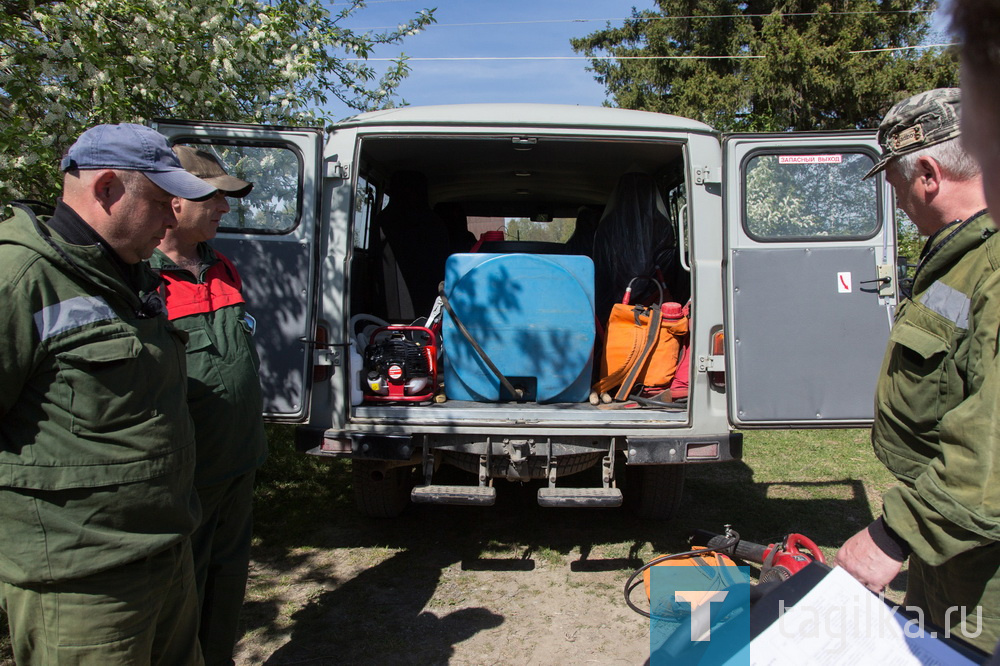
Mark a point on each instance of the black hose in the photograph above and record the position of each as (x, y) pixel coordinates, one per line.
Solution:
(745, 550)
(516, 392)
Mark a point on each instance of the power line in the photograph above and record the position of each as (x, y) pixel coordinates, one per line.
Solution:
(611, 57)
(906, 48)
(368, 2)
(456, 58)
(650, 18)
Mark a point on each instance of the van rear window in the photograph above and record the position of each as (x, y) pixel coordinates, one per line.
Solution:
(810, 196)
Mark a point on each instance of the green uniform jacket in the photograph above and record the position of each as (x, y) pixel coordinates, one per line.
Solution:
(96, 444)
(937, 424)
(223, 383)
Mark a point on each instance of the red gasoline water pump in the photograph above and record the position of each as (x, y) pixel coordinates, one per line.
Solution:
(400, 364)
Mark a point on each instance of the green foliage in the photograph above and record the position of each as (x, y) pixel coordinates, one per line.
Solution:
(909, 242)
(810, 200)
(272, 204)
(68, 65)
(557, 231)
(295, 492)
(802, 75)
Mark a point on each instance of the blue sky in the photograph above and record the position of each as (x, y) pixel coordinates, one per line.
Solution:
(492, 29)
(529, 28)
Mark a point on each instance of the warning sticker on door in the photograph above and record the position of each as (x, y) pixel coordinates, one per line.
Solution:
(844, 283)
(810, 159)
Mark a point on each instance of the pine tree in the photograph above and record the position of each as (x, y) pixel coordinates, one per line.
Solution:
(770, 64)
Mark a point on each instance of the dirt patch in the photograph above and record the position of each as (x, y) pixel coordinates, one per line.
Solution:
(395, 606)
(514, 583)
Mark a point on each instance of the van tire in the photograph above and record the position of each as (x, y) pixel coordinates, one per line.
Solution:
(655, 491)
(380, 490)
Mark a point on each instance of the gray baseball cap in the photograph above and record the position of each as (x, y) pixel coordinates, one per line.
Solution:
(131, 147)
(917, 122)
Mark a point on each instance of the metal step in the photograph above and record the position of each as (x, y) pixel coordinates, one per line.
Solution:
(465, 495)
(568, 497)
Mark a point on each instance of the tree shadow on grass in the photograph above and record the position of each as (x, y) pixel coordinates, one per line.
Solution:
(304, 505)
(386, 612)
(828, 512)
(379, 617)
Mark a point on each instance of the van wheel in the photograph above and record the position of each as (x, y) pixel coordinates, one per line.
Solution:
(654, 491)
(381, 491)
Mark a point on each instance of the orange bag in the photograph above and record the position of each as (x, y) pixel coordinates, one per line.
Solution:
(643, 345)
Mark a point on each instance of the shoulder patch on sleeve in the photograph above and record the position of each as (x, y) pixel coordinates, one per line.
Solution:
(72, 313)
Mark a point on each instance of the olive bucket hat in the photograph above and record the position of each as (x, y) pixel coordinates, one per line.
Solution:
(206, 166)
(917, 122)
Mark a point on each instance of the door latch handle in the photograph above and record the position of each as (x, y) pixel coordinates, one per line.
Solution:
(881, 280)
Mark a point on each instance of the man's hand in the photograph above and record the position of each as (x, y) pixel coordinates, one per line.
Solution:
(860, 557)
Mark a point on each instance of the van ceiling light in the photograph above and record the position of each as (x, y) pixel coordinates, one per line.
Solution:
(522, 193)
(522, 174)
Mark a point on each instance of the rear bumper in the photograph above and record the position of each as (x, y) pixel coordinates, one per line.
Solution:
(639, 450)
(674, 450)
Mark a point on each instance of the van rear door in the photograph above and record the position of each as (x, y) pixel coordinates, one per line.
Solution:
(810, 276)
(270, 236)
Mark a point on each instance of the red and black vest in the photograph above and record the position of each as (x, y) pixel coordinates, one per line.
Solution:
(220, 288)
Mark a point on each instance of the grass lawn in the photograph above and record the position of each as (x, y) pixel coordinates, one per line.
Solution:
(826, 484)
(317, 560)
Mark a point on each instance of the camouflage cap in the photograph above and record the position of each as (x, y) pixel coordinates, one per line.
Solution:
(918, 122)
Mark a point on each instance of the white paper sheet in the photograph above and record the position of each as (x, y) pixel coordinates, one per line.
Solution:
(840, 622)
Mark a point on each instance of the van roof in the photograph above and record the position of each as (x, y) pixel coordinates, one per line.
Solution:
(533, 115)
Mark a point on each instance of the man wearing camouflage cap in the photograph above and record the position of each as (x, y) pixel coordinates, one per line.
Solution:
(931, 430)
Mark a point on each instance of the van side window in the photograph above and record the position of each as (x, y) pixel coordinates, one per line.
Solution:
(810, 197)
(272, 207)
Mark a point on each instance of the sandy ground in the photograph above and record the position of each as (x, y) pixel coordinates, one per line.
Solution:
(512, 583)
(451, 585)
(396, 606)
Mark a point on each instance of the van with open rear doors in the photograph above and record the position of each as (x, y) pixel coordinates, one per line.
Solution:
(433, 288)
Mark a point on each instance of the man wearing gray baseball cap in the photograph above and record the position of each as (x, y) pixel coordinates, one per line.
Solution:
(131, 147)
(932, 428)
(97, 446)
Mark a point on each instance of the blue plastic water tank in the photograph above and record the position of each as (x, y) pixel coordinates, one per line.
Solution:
(532, 314)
